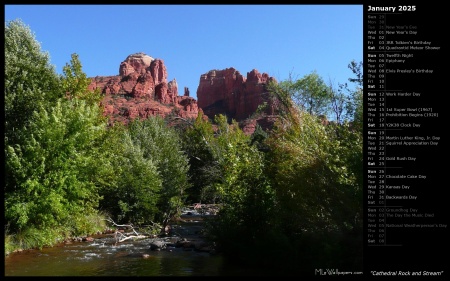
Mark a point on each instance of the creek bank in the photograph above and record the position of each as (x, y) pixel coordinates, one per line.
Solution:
(185, 233)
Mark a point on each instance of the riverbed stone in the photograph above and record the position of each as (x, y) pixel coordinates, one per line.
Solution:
(157, 245)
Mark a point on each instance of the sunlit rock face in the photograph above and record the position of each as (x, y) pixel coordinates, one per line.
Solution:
(142, 90)
(228, 92)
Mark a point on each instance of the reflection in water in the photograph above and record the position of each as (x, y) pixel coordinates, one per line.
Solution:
(95, 259)
(102, 258)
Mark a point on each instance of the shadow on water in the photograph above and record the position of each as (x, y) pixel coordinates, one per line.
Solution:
(130, 258)
(91, 259)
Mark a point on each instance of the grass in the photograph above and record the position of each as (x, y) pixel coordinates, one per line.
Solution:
(34, 238)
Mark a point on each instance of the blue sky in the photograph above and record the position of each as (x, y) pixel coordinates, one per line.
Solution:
(193, 39)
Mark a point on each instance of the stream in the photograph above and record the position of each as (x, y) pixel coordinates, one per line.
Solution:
(184, 254)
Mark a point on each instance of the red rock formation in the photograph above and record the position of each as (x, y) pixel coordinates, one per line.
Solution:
(266, 122)
(186, 92)
(228, 92)
(141, 90)
(138, 62)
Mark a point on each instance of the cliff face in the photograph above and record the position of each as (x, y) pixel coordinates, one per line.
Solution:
(228, 92)
(141, 90)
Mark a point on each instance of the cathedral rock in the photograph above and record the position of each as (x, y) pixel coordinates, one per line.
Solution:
(141, 90)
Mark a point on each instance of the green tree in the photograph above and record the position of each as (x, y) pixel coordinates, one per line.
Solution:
(258, 138)
(357, 69)
(161, 144)
(312, 94)
(53, 148)
(198, 144)
(75, 82)
(354, 105)
(309, 94)
(243, 223)
(314, 173)
(302, 193)
(339, 103)
(55, 169)
(30, 79)
(317, 177)
(357, 107)
(132, 191)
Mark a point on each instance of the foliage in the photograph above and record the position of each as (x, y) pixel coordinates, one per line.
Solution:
(358, 112)
(243, 189)
(312, 176)
(339, 103)
(133, 190)
(357, 69)
(294, 192)
(32, 237)
(311, 94)
(316, 172)
(258, 138)
(197, 143)
(280, 96)
(55, 168)
(53, 149)
(30, 80)
(161, 144)
(9, 244)
(75, 82)
(355, 106)
(302, 193)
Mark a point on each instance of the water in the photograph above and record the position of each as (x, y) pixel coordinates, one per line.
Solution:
(102, 257)
(127, 259)
(130, 258)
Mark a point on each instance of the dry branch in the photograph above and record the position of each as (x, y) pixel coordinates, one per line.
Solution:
(120, 237)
